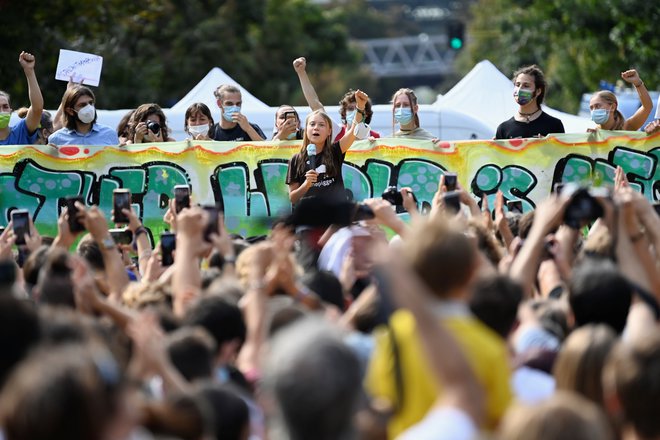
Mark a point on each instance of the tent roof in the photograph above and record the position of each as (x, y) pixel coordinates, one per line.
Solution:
(487, 94)
(203, 92)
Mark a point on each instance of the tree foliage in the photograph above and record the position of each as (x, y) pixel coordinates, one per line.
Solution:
(576, 42)
(157, 50)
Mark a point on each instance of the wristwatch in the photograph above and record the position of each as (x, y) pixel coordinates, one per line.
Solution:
(107, 243)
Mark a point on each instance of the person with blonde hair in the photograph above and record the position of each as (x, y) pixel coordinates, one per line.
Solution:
(405, 114)
(581, 359)
(321, 176)
(604, 106)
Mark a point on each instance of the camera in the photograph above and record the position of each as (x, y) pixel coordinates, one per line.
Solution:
(394, 196)
(153, 126)
(583, 207)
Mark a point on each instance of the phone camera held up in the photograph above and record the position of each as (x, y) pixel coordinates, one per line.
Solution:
(394, 196)
(583, 207)
(121, 200)
(153, 126)
(167, 246)
(181, 197)
(20, 219)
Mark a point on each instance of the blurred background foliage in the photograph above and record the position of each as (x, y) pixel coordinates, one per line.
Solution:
(157, 50)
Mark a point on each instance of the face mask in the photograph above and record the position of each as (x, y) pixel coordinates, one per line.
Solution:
(229, 111)
(350, 117)
(600, 115)
(4, 119)
(523, 96)
(196, 130)
(87, 114)
(403, 115)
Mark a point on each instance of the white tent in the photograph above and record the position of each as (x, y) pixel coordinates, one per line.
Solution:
(486, 94)
(203, 92)
(444, 122)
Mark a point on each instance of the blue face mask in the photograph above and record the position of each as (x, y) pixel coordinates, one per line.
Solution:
(350, 117)
(403, 115)
(292, 135)
(600, 115)
(229, 111)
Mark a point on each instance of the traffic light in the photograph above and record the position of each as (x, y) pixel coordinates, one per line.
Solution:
(455, 34)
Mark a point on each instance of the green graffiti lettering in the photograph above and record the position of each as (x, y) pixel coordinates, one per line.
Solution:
(420, 176)
(356, 182)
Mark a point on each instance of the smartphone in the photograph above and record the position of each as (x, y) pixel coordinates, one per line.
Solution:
(289, 115)
(212, 225)
(450, 181)
(72, 212)
(167, 245)
(20, 219)
(515, 206)
(181, 197)
(452, 201)
(122, 236)
(121, 199)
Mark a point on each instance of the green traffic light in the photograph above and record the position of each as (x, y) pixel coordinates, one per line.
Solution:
(456, 43)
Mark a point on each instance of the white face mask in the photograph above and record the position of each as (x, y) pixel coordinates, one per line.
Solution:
(196, 130)
(87, 114)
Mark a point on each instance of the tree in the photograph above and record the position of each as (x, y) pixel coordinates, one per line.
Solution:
(157, 50)
(576, 42)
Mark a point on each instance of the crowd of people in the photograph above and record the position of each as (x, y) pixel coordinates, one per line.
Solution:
(344, 322)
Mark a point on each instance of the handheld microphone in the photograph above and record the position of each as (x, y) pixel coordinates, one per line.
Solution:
(311, 155)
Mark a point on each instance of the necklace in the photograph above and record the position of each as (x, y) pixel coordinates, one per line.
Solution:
(528, 115)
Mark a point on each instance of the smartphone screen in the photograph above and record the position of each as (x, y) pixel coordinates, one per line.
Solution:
(20, 219)
(450, 181)
(515, 206)
(181, 197)
(452, 201)
(122, 236)
(212, 225)
(167, 245)
(289, 115)
(121, 199)
(72, 212)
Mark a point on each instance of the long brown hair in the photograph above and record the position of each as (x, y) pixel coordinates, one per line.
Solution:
(69, 101)
(412, 98)
(610, 98)
(142, 113)
(326, 154)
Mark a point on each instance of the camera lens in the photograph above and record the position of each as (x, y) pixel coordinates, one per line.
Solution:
(153, 126)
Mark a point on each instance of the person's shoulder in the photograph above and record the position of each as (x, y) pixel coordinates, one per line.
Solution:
(59, 136)
(103, 128)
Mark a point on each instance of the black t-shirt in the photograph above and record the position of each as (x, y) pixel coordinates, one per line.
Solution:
(332, 186)
(541, 126)
(233, 134)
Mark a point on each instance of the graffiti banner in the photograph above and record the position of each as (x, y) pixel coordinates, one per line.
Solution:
(248, 179)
